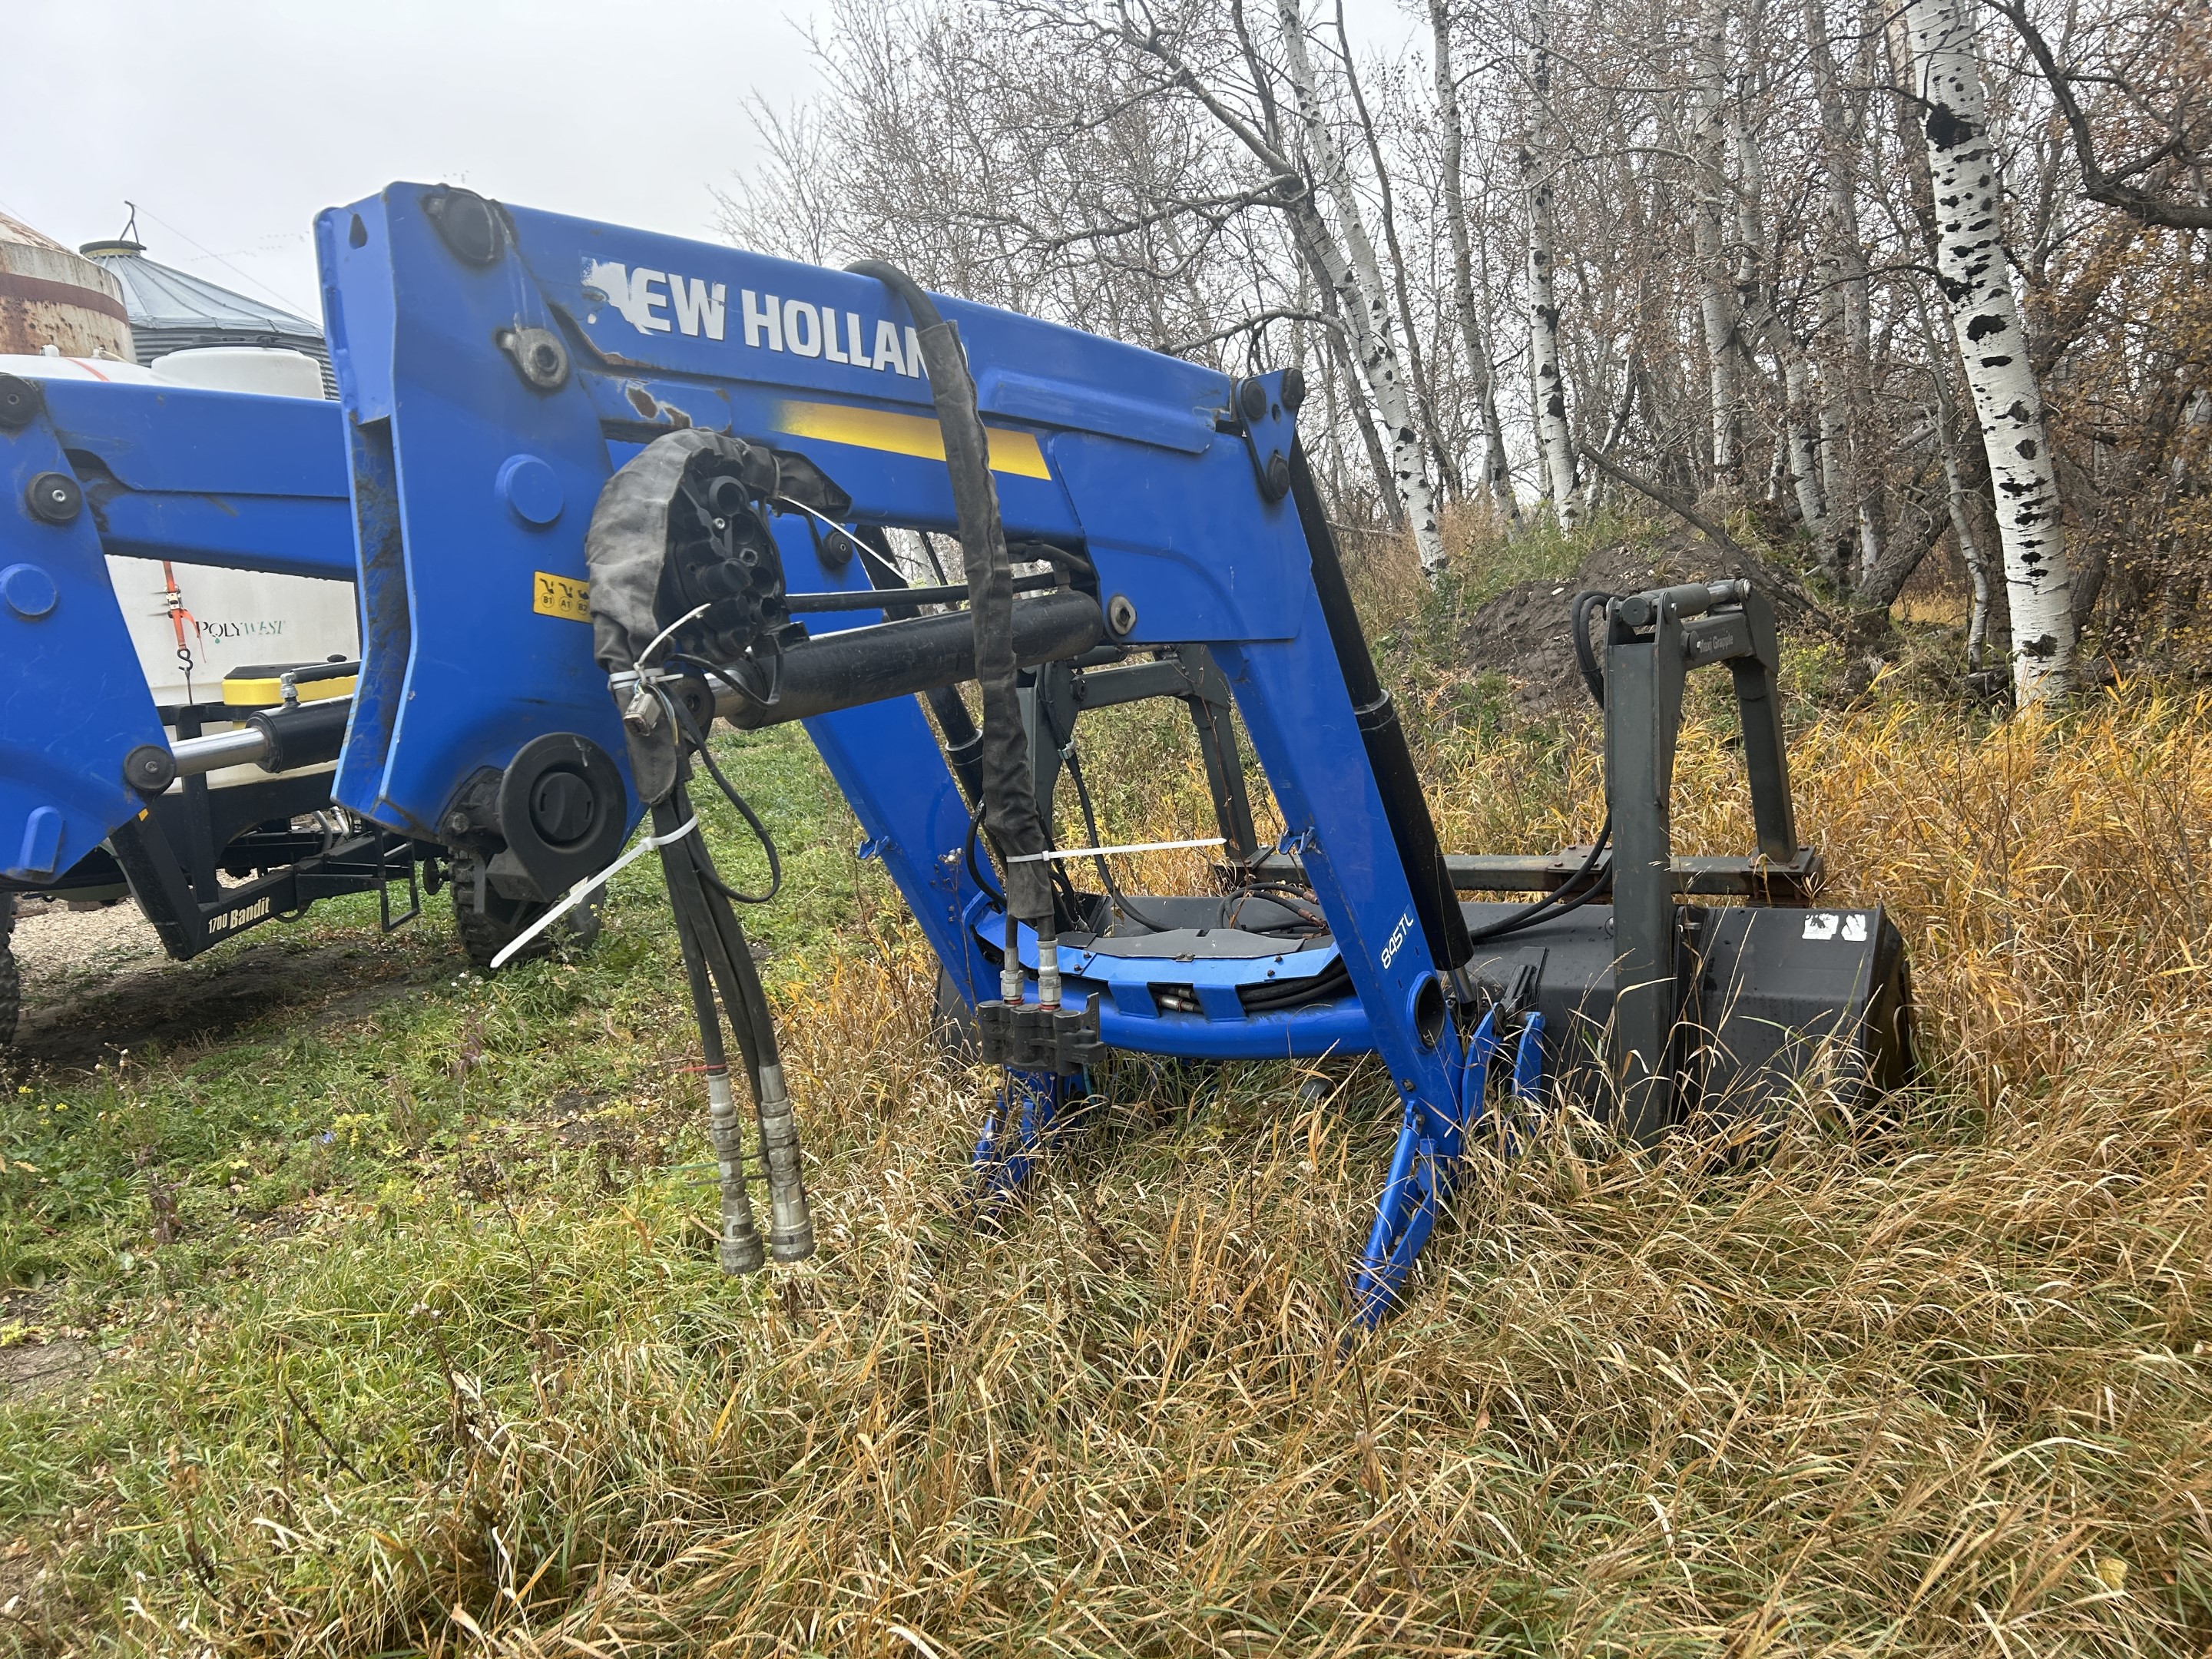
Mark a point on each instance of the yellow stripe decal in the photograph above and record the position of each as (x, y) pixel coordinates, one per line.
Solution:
(1014, 453)
(268, 693)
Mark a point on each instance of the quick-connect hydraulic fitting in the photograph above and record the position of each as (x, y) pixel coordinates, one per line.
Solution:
(790, 1226)
(739, 1249)
(1064, 1040)
(1010, 966)
(1047, 972)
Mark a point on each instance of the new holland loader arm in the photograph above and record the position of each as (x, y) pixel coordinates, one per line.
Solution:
(590, 461)
(94, 790)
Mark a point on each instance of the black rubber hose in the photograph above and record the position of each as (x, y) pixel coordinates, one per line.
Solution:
(1300, 901)
(698, 741)
(974, 870)
(1091, 828)
(1009, 808)
(1554, 904)
(1551, 906)
(1593, 673)
(739, 1243)
(730, 961)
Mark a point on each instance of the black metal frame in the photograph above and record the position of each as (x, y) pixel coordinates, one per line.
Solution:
(290, 871)
(1652, 641)
(1105, 680)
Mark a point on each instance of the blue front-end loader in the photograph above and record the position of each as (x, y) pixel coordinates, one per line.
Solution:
(213, 812)
(611, 486)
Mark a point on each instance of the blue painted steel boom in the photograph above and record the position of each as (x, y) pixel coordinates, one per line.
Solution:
(231, 479)
(492, 391)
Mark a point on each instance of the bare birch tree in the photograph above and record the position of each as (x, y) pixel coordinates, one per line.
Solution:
(1360, 284)
(1613, 201)
(1474, 334)
(1555, 441)
(1993, 345)
(1717, 309)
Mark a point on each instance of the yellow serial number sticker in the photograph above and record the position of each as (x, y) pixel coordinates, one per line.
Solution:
(560, 596)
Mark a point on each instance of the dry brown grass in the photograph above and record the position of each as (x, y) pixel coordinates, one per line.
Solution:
(1942, 1386)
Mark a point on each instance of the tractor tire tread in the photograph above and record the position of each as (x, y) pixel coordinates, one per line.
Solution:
(485, 934)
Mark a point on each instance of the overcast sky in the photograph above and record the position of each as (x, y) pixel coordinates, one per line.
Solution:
(231, 122)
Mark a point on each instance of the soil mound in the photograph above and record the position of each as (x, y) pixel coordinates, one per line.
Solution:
(1525, 633)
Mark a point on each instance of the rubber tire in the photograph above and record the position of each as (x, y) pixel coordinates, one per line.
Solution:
(484, 933)
(11, 977)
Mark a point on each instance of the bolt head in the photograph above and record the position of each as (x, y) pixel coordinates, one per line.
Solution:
(54, 498)
(20, 401)
(149, 769)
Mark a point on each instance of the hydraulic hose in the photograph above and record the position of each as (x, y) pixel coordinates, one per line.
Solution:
(1593, 673)
(963, 744)
(1556, 903)
(708, 932)
(1009, 808)
(740, 1246)
(790, 1222)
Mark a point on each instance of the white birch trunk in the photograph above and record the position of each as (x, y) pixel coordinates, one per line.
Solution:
(1945, 419)
(1856, 501)
(1797, 456)
(1366, 299)
(1328, 264)
(1970, 550)
(1971, 267)
(1497, 476)
(1555, 443)
(1804, 450)
(1715, 308)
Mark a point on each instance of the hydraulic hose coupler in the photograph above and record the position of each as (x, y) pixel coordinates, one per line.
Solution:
(1047, 970)
(739, 1249)
(790, 1226)
(1010, 969)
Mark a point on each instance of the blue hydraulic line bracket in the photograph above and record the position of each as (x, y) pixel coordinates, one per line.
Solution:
(1016, 1130)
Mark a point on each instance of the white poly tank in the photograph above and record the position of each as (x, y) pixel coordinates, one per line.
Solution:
(272, 370)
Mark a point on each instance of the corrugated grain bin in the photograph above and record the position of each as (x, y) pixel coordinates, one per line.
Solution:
(49, 296)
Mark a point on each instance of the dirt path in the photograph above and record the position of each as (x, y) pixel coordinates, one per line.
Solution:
(97, 981)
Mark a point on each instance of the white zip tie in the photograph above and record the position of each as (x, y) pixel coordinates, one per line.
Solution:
(1093, 852)
(830, 523)
(583, 889)
(661, 638)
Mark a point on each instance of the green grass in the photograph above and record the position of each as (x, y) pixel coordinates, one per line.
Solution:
(242, 1129)
(438, 1360)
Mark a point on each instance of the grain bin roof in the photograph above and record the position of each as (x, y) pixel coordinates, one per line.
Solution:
(158, 297)
(173, 312)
